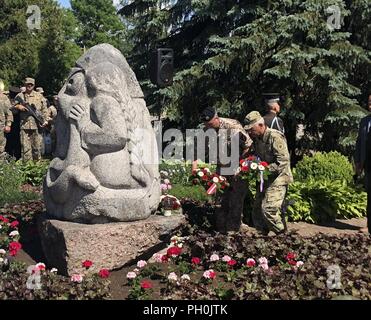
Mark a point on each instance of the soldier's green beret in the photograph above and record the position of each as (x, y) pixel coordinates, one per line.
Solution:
(251, 119)
(208, 114)
(29, 81)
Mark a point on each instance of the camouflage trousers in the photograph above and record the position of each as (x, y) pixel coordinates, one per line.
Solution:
(228, 214)
(2, 141)
(266, 213)
(31, 142)
(3, 154)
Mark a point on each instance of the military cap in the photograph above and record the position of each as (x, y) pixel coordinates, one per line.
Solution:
(208, 113)
(40, 89)
(251, 119)
(271, 97)
(29, 80)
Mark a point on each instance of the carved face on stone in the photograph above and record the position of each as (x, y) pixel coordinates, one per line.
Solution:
(99, 156)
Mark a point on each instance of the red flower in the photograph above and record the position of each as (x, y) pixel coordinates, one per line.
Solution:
(212, 274)
(174, 251)
(205, 177)
(14, 224)
(87, 264)
(242, 161)
(209, 184)
(3, 219)
(250, 158)
(145, 284)
(104, 273)
(264, 164)
(232, 262)
(244, 168)
(292, 262)
(251, 263)
(196, 260)
(14, 247)
(290, 256)
(164, 258)
(176, 206)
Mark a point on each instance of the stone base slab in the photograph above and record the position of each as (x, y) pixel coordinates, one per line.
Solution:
(112, 245)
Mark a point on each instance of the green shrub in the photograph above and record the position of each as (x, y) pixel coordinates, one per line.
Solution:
(321, 201)
(11, 179)
(33, 172)
(195, 193)
(324, 166)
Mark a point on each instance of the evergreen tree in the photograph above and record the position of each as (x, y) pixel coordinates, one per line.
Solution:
(227, 53)
(99, 23)
(46, 53)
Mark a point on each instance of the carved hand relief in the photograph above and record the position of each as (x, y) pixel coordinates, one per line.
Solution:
(106, 164)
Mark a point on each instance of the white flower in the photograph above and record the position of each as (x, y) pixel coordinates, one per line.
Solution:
(264, 266)
(253, 166)
(54, 270)
(215, 179)
(40, 266)
(200, 174)
(14, 233)
(136, 270)
(207, 169)
(131, 275)
(1, 226)
(1, 260)
(2, 251)
(172, 277)
(158, 257)
(185, 277)
(299, 264)
(76, 278)
(33, 270)
(221, 178)
(263, 260)
(226, 258)
(261, 168)
(214, 257)
(167, 181)
(208, 274)
(141, 264)
(180, 245)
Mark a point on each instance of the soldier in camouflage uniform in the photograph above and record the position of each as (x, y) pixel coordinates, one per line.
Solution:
(270, 146)
(31, 139)
(229, 214)
(6, 119)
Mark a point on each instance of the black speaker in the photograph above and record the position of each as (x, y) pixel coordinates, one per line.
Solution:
(162, 67)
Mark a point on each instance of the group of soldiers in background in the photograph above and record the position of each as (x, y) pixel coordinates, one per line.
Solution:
(36, 135)
(264, 138)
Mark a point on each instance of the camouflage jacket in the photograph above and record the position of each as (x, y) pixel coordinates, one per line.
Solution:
(6, 116)
(236, 127)
(232, 129)
(28, 122)
(272, 148)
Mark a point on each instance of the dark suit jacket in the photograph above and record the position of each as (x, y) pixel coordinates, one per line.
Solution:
(278, 125)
